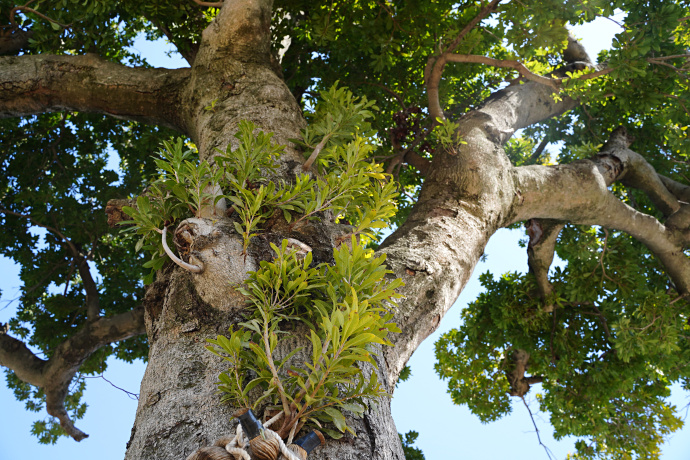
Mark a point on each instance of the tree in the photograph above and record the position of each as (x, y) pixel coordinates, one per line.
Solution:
(463, 137)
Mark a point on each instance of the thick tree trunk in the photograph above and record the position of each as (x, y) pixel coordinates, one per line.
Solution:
(470, 191)
(468, 194)
(179, 409)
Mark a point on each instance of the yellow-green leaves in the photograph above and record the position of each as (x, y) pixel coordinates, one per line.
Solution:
(180, 188)
(350, 185)
(340, 117)
(346, 308)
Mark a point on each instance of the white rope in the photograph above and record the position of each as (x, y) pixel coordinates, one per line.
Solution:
(274, 419)
(237, 446)
(236, 451)
(287, 453)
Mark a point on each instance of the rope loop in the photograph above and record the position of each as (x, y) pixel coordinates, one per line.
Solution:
(268, 446)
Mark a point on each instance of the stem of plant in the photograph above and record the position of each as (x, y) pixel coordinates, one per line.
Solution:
(274, 372)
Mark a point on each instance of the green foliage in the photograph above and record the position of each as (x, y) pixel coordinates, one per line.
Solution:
(405, 374)
(338, 117)
(48, 430)
(411, 452)
(53, 169)
(447, 133)
(607, 353)
(353, 188)
(65, 187)
(346, 310)
(345, 306)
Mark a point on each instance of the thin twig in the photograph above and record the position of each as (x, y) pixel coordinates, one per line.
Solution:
(131, 395)
(672, 56)
(601, 259)
(93, 310)
(26, 8)
(470, 25)
(307, 164)
(507, 63)
(622, 26)
(682, 296)
(274, 372)
(549, 454)
(665, 64)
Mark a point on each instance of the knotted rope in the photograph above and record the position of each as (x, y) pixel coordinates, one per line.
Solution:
(268, 446)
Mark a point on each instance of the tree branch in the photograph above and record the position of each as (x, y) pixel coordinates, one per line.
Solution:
(208, 4)
(540, 251)
(26, 8)
(34, 84)
(490, 8)
(680, 191)
(435, 64)
(518, 362)
(16, 356)
(414, 159)
(242, 28)
(189, 55)
(13, 41)
(465, 198)
(93, 310)
(538, 151)
(505, 63)
(70, 355)
(547, 192)
(56, 374)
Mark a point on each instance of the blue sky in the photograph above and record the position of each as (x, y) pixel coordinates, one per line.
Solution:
(421, 403)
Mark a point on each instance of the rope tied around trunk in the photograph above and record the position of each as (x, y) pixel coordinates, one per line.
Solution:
(267, 445)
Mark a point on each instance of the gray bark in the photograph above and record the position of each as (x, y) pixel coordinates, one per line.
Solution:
(470, 191)
(34, 84)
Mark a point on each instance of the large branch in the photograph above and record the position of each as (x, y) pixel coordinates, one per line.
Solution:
(56, 374)
(70, 354)
(467, 195)
(578, 193)
(34, 84)
(241, 29)
(15, 355)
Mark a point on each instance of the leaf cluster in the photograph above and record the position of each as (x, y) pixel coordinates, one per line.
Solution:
(607, 356)
(345, 310)
(347, 183)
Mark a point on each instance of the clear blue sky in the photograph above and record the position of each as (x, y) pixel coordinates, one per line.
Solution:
(421, 403)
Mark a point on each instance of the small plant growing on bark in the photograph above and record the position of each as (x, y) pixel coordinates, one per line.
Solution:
(348, 184)
(345, 307)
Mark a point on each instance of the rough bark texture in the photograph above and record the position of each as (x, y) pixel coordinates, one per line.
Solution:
(45, 83)
(468, 194)
(470, 191)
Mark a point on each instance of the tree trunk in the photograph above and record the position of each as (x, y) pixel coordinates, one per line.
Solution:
(469, 193)
(179, 409)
